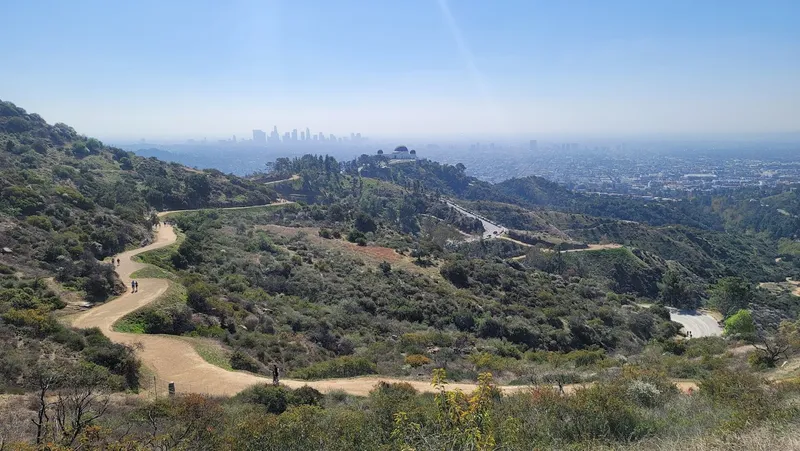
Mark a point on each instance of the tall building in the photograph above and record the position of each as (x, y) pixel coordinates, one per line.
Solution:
(534, 145)
(308, 133)
(259, 137)
(302, 136)
(274, 136)
(294, 135)
(332, 138)
(321, 136)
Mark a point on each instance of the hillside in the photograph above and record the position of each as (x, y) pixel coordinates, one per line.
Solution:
(67, 204)
(371, 273)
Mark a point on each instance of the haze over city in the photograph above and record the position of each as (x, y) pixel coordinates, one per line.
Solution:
(180, 70)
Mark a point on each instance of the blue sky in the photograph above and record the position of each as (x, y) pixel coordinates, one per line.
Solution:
(414, 67)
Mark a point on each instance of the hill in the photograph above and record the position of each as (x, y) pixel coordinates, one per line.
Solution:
(67, 204)
(371, 271)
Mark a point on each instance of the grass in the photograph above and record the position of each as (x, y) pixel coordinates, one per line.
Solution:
(152, 272)
(211, 351)
(161, 256)
(134, 322)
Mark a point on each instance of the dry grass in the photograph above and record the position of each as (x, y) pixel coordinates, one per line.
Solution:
(765, 438)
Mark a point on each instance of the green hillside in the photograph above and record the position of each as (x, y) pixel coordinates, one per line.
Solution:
(371, 272)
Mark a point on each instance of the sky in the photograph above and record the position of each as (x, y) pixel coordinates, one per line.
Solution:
(150, 69)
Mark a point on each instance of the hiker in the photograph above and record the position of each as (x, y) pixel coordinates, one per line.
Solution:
(133, 286)
(274, 374)
(118, 262)
(137, 285)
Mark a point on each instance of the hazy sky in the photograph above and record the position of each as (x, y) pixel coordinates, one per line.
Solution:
(206, 68)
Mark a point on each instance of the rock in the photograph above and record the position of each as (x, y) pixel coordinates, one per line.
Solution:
(7, 250)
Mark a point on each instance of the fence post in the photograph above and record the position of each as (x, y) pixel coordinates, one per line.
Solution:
(172, 388)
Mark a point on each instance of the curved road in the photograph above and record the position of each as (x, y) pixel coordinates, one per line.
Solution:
(699, 324)
(490, 229)
(174, 360)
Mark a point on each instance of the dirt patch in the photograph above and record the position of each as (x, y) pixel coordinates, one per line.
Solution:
(792, 286)
(596, 247)
(374, 254)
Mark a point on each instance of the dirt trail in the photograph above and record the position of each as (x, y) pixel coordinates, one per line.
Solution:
(290, 179)
(174, 360)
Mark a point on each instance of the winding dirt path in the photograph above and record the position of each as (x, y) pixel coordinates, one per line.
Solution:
(174, 360)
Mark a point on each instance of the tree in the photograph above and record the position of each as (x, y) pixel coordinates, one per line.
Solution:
(364, 223)
(740, 324)
(79, 149)
(673, 290)
(731, 294)
(770, 348)
(456, 272)
(94, 145)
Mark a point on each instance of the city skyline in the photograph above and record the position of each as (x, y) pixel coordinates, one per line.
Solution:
(151, 69)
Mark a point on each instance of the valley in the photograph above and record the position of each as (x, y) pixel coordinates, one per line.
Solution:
(381, 292)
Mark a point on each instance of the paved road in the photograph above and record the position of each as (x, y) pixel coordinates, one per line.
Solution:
(699, 324)
(490, 229)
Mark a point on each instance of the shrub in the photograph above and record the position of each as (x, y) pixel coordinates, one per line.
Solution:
(355, 236)
(364, 223)
(240, 360)
(583, 357)
(741, 325)
(275, 399)
(456, 272)
(644, 393)
(306, 395)
(42, 222)
(740, 390)
(346, 366)
(417, 360)
(676, 347)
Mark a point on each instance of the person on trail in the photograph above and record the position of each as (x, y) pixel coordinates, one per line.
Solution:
(275, 375)
(118, 262)
(133, 286)
(137, 286)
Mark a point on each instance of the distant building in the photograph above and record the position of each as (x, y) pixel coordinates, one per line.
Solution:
(402, 153)
(294, 135)
(302, 136)
(259, 137)
(308, 133)
(533, 146)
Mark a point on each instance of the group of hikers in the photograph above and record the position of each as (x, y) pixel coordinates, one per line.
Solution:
(134, 284)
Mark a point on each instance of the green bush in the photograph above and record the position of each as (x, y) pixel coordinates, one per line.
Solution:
(241, 360)
(346, 366)
(306, 395)
(42, 222)
(275, 399)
